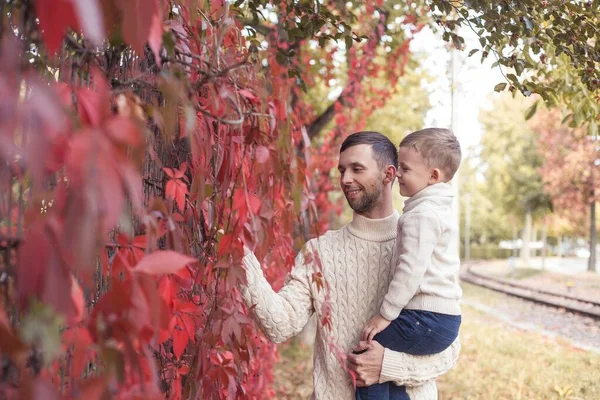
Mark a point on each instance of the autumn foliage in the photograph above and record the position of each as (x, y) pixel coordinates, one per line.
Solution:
(569, 159)
(137, 160)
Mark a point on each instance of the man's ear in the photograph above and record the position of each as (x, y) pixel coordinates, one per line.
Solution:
(390, 174)
(435, 176)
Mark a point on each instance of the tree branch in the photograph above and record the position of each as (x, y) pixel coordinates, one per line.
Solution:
(322, 120)
(262, 29)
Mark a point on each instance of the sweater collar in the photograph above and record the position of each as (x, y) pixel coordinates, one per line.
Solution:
(374, 230)
(441, 194)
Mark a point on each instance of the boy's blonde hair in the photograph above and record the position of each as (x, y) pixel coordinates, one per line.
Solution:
(438, 147)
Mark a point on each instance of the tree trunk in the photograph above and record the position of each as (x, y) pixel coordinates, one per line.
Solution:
(525, 248)
(592, 260)
(514, 243)
(544, 242)
(534, 239)
(560, 246)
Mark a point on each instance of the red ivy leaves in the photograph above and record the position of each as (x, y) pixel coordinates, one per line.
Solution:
(163, 262)
(142, 21)
(176, 187)
(55, 16)
(180, 341)
(245, 201)
(128, 252)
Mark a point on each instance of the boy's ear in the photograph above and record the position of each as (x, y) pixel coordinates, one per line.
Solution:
(436, 176)
(390, 174)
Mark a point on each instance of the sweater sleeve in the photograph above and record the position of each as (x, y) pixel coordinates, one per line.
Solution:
(279, 315)
(408, 370)
(418, 235)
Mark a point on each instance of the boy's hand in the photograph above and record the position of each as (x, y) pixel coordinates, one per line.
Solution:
(374, 326)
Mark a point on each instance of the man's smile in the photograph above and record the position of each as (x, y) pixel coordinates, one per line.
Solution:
(351, 193)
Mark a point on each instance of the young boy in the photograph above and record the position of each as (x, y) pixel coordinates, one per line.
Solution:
(420, 314)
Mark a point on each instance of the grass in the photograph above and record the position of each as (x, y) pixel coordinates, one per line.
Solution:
(293, 372)
(500, 362)
(497, 362)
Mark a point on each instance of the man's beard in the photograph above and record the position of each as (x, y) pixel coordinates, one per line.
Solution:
(367, 202)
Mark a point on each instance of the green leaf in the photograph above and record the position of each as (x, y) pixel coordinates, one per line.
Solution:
(531, 111)
(473, 52)
(577, 118)
(457, 41)
(500, 87)
(281, 58)
(309, 30)
(295, 33)
(519, 66)
(348, 40)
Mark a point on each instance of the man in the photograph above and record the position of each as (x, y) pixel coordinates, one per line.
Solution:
(357, 265)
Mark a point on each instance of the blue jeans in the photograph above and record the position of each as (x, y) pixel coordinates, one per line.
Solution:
(414, 332)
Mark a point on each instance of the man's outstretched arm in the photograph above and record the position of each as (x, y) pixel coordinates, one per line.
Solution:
(279, 315)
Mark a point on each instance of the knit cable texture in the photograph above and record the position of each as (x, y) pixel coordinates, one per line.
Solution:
(358, 270)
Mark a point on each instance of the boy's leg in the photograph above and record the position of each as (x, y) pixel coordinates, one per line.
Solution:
(413, 332)
(382, 391)
(420, 332)
(400, 335)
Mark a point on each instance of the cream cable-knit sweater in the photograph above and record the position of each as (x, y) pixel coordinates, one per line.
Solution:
(357, 265)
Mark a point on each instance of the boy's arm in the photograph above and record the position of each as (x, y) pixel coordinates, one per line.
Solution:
(279, 315)
(416, 242)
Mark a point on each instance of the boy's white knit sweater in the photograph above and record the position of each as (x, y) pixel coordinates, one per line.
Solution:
(427, 264)
(357, 265)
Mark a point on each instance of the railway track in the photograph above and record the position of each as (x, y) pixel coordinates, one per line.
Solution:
(587, 307)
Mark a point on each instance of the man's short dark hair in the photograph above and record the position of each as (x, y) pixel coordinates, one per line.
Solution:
(384, 151)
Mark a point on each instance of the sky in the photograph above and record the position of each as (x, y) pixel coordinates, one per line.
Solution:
(474, 85)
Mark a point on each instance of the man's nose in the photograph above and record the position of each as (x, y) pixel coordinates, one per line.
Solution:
(347, 178)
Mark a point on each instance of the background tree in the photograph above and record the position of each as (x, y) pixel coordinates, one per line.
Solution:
(511, 164)
(529, 40)
(569, 170)
(489, 223)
